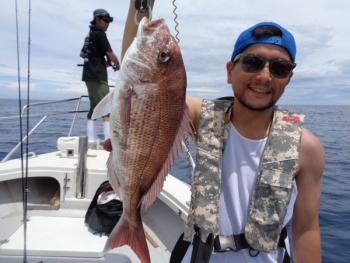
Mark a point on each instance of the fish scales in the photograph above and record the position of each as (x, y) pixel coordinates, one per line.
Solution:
(149, 118)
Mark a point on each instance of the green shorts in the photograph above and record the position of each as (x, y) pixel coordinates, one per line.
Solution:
(97, 91)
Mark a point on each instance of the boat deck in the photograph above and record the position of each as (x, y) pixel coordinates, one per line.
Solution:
(56, 231)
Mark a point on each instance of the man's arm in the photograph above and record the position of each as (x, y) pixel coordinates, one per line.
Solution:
(130, 29)
(306, 239)
(194, 105)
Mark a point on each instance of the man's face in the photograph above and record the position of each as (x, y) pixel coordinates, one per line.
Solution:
(103, 22)
(257, 91)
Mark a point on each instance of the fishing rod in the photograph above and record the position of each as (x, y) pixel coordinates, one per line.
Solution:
(19, 103)
(82, 65)
(24, 174)
(26, 190)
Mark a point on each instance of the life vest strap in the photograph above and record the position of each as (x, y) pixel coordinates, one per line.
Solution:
(238, 242)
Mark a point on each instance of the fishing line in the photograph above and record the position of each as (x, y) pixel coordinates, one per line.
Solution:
(174, 11)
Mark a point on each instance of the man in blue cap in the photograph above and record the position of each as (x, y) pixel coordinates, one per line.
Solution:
(257, 168)
(98, 55)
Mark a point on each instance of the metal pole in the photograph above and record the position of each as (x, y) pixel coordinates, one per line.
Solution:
(75, 115)
(23, 140)
(81, 171)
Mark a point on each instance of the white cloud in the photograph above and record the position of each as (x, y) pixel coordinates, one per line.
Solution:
(23, 85)
(80, 89)
(207, 32)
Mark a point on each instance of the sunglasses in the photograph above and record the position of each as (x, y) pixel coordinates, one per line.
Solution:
(252, 63)
(107, 21)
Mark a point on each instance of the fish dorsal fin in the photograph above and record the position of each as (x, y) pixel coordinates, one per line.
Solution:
(185, 127)
(104, 106)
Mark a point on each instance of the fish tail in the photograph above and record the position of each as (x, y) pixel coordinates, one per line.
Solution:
(124, 234)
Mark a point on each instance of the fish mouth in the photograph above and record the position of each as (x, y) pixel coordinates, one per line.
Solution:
(149, 27)
(139, 63)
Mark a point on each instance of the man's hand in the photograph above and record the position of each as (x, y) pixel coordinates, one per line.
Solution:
(116, 67)
(107, 145)
(114, 59)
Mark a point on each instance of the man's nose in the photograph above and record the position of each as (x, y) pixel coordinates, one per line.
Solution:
(265, 72)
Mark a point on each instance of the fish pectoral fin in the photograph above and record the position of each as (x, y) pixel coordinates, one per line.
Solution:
(112, 176)
(186, 127)
(104, 106)
(124, 234)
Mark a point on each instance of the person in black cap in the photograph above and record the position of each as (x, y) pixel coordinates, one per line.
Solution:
(257, 167)
(98, 55)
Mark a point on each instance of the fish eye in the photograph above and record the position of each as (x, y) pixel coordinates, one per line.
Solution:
(164, 56)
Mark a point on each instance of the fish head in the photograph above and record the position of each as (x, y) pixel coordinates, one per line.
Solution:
(154, 56)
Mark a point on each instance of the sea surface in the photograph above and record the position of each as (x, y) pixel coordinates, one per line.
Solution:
(331, 124)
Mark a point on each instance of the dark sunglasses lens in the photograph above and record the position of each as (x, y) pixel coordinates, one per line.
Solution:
(106, 20)
(280, 68)
(252, 63)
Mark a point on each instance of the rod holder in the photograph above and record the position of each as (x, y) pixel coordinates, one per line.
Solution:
(81, 170)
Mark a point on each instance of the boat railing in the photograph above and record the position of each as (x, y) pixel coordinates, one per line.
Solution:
(44, 116)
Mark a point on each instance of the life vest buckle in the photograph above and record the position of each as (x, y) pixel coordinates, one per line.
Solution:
(225, 244)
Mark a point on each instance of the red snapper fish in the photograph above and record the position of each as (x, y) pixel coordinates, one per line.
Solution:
(149, 119)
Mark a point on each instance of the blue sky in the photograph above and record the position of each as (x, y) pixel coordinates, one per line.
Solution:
(208, 30)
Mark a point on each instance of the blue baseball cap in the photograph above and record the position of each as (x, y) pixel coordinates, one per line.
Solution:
(245, 39)
(100, 12)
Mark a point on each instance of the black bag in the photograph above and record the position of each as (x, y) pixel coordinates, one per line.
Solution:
(102, 218)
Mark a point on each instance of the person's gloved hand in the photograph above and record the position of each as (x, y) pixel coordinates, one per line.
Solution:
(107, 145)
(116, 67)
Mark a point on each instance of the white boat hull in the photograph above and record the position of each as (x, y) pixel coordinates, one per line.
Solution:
(56, 231)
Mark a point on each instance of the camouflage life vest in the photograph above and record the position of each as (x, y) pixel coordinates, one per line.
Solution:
(275, 181)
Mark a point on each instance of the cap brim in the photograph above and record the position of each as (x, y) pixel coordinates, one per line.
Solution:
(92, 22)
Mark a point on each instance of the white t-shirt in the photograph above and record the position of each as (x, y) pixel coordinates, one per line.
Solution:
(239, 174)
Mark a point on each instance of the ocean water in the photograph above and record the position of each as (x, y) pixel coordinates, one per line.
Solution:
(331, 124)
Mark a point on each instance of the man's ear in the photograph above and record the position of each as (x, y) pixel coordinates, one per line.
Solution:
(229, 67)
